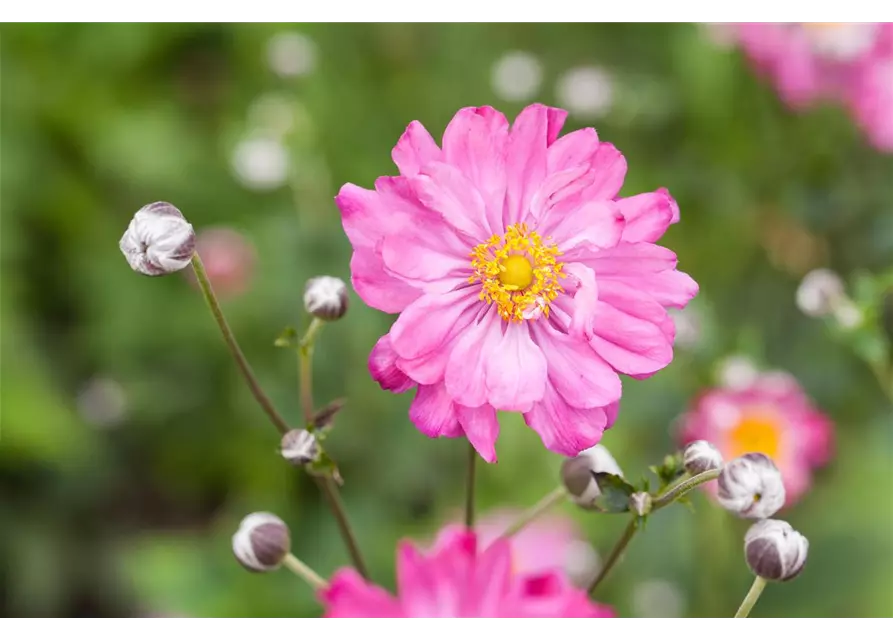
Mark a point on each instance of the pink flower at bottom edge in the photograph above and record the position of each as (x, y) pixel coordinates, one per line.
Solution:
(771, 415)
(455, 580)
(522, 281)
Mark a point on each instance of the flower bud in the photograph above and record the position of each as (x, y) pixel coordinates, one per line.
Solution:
(701, 456)
(820, 292)
(751, 486)
(578, 474)
(775, 550)
(262, 542)
(158, 241)
(325, 297)
(640, 503)
(299, 447)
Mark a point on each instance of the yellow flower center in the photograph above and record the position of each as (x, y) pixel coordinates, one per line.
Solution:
(518, 272)
(756, 433)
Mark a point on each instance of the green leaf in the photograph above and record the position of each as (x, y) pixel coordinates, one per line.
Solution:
(288, 339)
(615, 493)
(324, 466)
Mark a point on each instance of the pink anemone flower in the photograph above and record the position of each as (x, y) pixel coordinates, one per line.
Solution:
(456, 580)
(522, 281)
(771, 415)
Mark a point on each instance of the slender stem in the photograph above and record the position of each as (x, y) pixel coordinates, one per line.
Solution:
(303, 571)
(621, 544)
(546, 503)
(469, 488)
(230, 339)
(305, 365)
(751, 598)
(330, 491)
(679, 490)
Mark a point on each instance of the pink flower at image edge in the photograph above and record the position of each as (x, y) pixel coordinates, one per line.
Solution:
(522, 282)
(771, 415)
(455, 580)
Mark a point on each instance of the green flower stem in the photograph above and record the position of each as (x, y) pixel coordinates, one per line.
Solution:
(469, 487)
(616, 552)
(306, 573)
(326, 484)
(756, 589)
(546, 503)
(230, 339)
(679, 490)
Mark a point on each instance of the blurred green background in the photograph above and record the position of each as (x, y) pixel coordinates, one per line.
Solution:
(129, 446)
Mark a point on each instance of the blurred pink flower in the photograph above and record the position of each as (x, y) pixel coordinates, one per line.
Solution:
(228, 258)
(522, 282)
(455, 580)
(770, 415)
(851, 63)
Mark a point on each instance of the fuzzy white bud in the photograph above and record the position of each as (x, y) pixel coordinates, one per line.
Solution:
(701, 456)
(751, 486)
(261, 542)
(820, 293)
(775, 550)
(299, 447)
(577, 474)
(158, 241)
(326, 297)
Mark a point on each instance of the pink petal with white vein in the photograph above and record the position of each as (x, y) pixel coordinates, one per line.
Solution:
(415, 149)
(445, 189)
(466, 371)
(582, 285)
(433, 413)
(481, 428)
(563, 428)
(648, 215)
(579, 374)
(383, 367)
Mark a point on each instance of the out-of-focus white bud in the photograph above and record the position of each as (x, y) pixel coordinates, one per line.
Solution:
(581, 563)
(586, 91)
(848, 315)
(688, 323)
(820, 292)
(325, 297)
(737, 372)
(701, 456)
(640, 503)
(516, 76)
(261, 542)
(751, 487)
(261, 162)
(577, 474)
(775, 550)
(299, 447)
(158, 241)
(657, 598)
(291, 54)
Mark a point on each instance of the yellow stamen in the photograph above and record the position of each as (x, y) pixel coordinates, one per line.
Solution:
(518, 272)
(755, 433)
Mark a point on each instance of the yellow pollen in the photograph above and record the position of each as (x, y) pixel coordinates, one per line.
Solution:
(518, 272)
(755, 433)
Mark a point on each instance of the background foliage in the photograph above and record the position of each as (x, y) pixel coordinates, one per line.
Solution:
(136, 518)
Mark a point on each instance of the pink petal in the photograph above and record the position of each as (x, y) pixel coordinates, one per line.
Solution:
(599, 223)
(433, 262)
(565, 429)
(629, 330)
(535, 128)
(349, 596)
(515, 369)
(609, 166)
(429, 321)
(418, 586)
(433, 414)
(580, 375)
(583, 287)
(475, 142)
(648, 215)
(377, 288)
(445, 190)
(415, 149)
(382, 366)
(627, 259)
(362, 215)
(466, 369)
(571, 150)
(481, 428)
(492, 579)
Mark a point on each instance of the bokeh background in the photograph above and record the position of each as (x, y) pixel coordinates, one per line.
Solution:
(129, 446)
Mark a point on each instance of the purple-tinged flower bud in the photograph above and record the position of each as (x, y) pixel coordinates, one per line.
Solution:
(701, 456)
(262, 542)
(158, 241)
(577, 474)
(640, 503)
(299, 447)
(751, 487)
(775, 550)
(325, 297)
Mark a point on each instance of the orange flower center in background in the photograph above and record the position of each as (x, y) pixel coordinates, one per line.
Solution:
(518, 272)
(755, 433)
